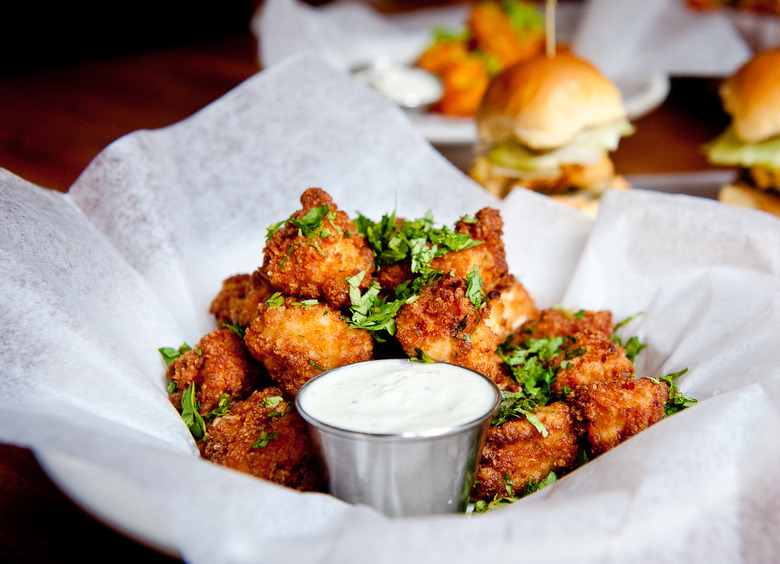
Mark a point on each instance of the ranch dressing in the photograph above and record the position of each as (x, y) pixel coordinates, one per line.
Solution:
(398, 397)
(409, 87)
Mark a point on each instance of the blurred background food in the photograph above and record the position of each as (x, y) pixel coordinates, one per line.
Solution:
(547, 124)
(751, 142)
(494, 36)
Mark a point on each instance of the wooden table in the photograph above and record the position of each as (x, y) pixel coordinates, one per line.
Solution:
(54, 121)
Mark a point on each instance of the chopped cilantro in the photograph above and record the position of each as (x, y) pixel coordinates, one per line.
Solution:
(305, 303)
(239, 330)
(474, 291)
(531, 366)
(264, 439)
(633, 346)
(275, 300)
(170, 354)
(222, 407)
(676, 400)
(421, 356)
(315, 365)
(190, 415)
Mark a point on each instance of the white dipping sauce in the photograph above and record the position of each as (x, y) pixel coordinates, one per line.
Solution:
(407, 86)
(398, 397)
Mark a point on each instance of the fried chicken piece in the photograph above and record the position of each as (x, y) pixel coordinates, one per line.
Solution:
(510, 306)
(218, 364)
(516, 453)
(264, 436)
(589, 356)
(609, 412)
(444, 324)
(555, 322)
(312, 254)
(239, 297)
(295, 341)
(390, 276)
(489, 257)
(493, 32)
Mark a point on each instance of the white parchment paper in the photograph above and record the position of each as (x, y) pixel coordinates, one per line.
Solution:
(94, 281)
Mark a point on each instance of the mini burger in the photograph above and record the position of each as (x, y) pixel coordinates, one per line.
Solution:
(751, 96)
(547, 124)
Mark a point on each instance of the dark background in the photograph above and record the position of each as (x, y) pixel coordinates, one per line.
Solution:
(38, 35)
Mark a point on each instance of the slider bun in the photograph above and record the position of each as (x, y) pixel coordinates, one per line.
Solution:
(544, 102)
(752, 97)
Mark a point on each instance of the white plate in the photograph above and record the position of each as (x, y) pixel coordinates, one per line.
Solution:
(640, 96)
(112, 499)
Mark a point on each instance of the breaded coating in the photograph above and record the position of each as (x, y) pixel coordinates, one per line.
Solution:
(510, 306)
(297, 340)
(218, 364)
(390, 276)
(264, 436)
(311, 255)
(516, 453)
(609, 412)
(239, 297)
(444, 324)
(489, 257)
(589, 356)
(554, 322)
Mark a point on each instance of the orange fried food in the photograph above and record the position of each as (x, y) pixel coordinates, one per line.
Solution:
(465, 81)
(218, 364)
(446, 326)
(510, 306)
(589, 356)
(264, 436)
(516, 453)
(489, 257)
(239, 297)
(554, 322)
(609, 412)
(312, 254)
(297, 340)
(493, 31)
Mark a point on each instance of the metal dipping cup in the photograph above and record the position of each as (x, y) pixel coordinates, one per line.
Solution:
(402, 474)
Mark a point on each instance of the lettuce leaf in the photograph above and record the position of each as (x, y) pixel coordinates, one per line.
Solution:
(729, 150)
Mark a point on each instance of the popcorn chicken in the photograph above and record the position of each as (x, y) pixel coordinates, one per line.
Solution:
(609, 412)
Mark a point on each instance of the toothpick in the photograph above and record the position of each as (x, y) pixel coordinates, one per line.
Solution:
(549, 27)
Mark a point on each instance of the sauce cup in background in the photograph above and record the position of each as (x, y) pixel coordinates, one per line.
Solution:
(400, 436)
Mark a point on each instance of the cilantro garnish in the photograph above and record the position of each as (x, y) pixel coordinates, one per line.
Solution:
(514, 405)
(275, 300)
(170, 354)
(370, 312)
(305, 303)
(633, 346)
(315, 365)
(272, 402)
(238, 329)
(421, 356)
(222, 407)
(310, 225)
(676, 400)
(531, 366)
(264, 439)
(419, 240)
(190, 415)
(530, 487)
(474, 290)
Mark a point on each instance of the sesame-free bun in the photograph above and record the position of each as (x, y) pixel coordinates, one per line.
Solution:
(546, 101)
(752, 97)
